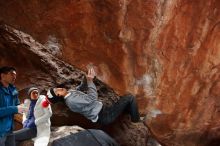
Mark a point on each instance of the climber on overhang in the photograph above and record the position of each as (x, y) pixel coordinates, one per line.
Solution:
(89, 105)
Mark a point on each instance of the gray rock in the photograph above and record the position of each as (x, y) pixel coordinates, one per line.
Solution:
(56, 133)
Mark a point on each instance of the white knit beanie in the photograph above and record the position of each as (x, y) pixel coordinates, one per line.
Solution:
(31, 89)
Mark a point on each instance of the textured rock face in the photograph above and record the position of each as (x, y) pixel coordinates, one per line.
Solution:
(54, 71)
(166, 52)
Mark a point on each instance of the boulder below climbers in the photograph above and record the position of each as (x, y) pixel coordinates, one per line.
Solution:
(56, 133)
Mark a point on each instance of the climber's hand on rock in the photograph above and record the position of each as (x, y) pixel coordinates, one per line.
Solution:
(91, 74)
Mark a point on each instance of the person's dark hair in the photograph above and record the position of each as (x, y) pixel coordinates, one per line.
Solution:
(6, 69)
(52, 97)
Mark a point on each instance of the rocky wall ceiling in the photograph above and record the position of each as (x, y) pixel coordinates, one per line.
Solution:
(36, 66)
(166, 52)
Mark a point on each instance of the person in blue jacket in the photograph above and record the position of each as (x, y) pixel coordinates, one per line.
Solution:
(29, 129)
(9, 105)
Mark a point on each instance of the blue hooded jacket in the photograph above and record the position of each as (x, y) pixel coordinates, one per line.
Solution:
(8, 107)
